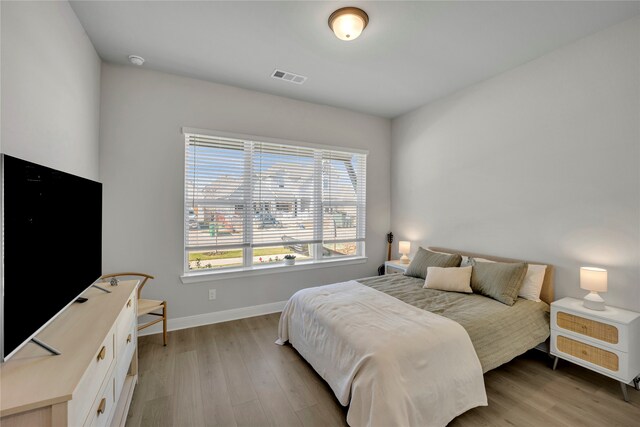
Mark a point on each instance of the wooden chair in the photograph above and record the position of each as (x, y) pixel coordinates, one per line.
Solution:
(147, 306)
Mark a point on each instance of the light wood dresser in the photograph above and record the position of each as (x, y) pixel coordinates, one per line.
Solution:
(606, 341)
(91, 383)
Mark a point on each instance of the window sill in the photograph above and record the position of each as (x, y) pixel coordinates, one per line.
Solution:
(231, 273)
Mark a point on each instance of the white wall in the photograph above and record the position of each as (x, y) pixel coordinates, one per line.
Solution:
(50, 88)
(540, 163)
(142, 167)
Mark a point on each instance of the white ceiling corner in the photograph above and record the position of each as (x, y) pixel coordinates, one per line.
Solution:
(410, 54)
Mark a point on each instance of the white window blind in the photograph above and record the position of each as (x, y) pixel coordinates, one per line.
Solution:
(343, 197)
(216, 193)
(252, 194)
(284, 205)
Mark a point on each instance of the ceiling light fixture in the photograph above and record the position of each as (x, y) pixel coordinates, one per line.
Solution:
(348, 22)
(136, 60)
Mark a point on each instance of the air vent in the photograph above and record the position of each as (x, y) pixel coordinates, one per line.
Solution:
(289, 77)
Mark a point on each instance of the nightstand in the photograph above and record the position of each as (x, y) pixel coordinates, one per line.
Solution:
(395, 267)
(607, 342)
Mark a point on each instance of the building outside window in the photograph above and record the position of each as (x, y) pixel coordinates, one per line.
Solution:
(249, 203)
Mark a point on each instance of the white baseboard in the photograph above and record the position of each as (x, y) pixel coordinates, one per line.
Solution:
(214, 317)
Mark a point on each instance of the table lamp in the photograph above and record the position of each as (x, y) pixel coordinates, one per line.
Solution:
(404, 248)
(594, 280)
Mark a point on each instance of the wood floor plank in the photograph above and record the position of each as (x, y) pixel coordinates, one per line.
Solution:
(161, 374)
(145, 354)
(242, 378)
(239, 384)
(272, 398)
(138, 402)
(313, 416)
(215, 396)
(183, 340)
(158, 412)
(282, 366)
(269, 322)
(576, 399)
(528, 392)
(187, 406)
(508, 400)
(155, 376)
(250, 414)
(524, 415)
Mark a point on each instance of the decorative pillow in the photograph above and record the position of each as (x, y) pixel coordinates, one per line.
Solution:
(532, 283)
(498, 280)
(425, 259)
(453, 279)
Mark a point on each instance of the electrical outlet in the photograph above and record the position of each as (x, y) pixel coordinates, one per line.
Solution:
(212, 294)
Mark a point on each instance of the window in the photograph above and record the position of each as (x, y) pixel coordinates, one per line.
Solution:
(249, 203)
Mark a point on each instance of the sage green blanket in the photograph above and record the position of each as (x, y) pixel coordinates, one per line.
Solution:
(498, 332)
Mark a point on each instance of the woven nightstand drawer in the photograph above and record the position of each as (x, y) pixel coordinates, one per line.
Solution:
(589, 353)
(590, 328)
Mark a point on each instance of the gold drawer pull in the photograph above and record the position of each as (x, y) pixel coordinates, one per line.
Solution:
(129, 303)
(103, 353)
(102, 406)
(128, 338)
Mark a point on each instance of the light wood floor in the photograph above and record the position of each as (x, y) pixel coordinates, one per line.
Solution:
(232, 374)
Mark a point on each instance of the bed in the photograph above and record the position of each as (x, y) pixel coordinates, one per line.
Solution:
(399, 354)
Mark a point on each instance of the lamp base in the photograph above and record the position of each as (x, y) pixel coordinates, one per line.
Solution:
(404, 259)
(593, 301)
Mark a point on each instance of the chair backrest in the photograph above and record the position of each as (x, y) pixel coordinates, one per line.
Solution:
(134, 274)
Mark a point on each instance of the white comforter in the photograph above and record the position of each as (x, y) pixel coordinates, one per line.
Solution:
(396, 365)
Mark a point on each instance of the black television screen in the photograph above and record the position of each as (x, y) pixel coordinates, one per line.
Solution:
(52, 239)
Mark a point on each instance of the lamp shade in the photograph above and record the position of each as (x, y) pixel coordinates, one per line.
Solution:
(593, 279)
(404, 247)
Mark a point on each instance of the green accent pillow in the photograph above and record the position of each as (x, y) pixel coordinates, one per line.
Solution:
(498, 280)
(425, 259)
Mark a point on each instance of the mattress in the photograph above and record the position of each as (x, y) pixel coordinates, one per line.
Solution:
(498, 332)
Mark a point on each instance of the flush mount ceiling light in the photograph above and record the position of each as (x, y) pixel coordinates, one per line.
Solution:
(136, 60)
(348, 22)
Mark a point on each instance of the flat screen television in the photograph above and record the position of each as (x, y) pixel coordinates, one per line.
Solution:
(52, 246)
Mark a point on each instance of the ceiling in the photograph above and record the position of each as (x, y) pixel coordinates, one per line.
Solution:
(410, 54)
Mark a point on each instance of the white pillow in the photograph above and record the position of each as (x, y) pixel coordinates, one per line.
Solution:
(532, 283)
(454, 279)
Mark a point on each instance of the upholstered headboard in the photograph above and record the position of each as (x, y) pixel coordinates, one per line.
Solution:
(546, 294)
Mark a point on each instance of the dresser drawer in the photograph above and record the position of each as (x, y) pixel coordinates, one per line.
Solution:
(92, 380)
(103, 406)
(127, 348)
(602, 359)
(127, 317)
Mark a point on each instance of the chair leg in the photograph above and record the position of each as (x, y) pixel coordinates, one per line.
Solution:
(164, 323)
